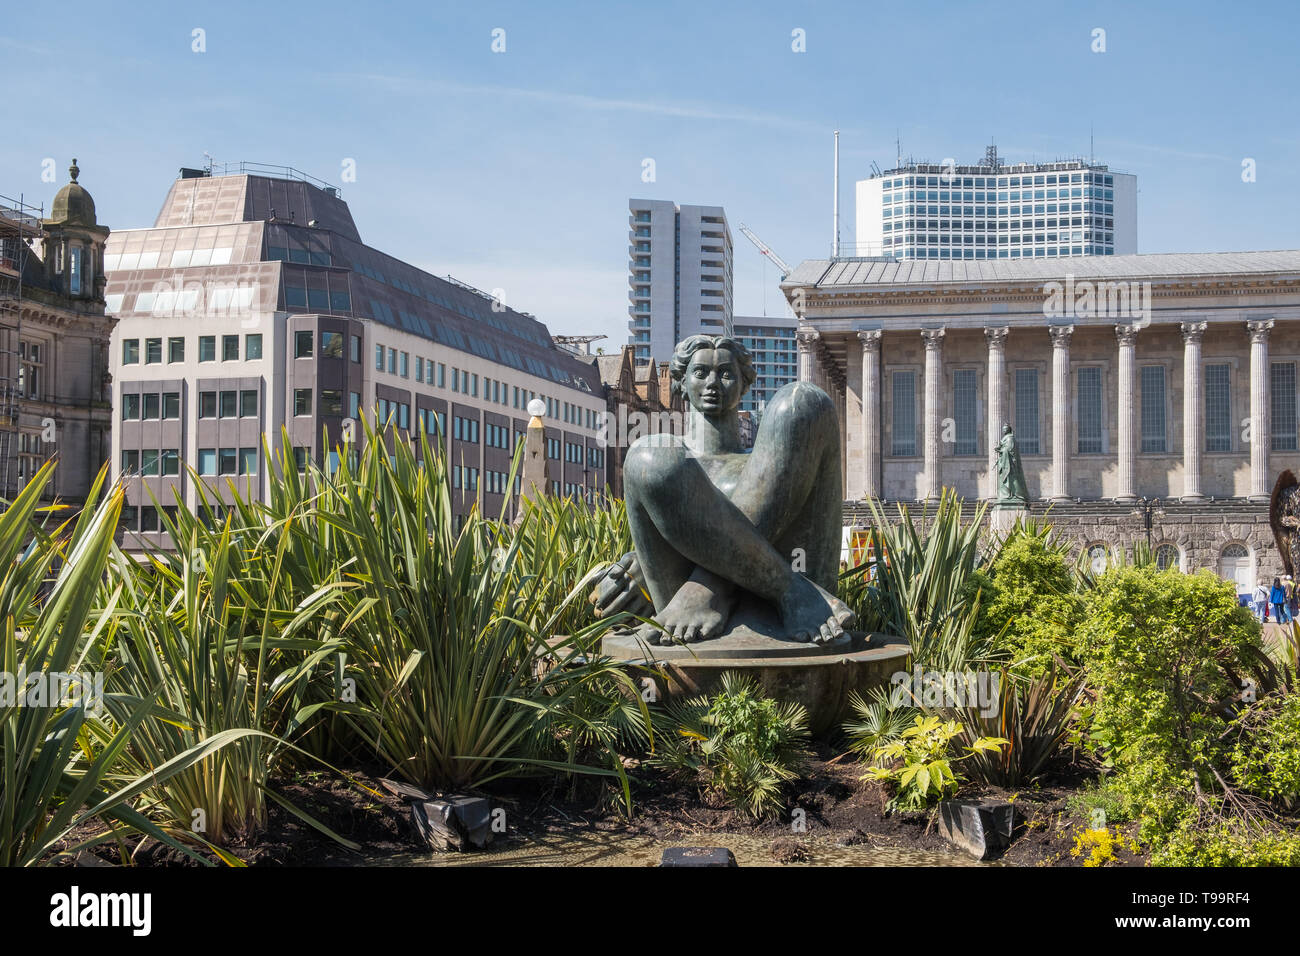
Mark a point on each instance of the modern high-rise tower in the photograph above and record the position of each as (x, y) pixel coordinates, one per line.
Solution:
(772, 349)
(993, 210)
(680, 273)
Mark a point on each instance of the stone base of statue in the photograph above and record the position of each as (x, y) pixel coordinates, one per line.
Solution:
(1004, 514)
(821, 677)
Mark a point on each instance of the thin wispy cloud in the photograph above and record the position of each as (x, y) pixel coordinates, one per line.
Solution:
(414, 86)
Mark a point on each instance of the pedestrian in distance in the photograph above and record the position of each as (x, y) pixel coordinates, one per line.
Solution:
(1277, 597)
(1261, 602)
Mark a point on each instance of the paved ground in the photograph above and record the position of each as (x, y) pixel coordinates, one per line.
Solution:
(1277, 633)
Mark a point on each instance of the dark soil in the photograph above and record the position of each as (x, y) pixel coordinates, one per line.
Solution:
(837, 807)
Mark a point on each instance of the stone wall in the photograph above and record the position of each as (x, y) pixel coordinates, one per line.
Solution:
(1201, 532)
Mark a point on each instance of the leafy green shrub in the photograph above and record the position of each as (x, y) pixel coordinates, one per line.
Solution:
(741, 745)
(1228, 843)
(1165, 653)
(1175, 666)
(920, 763)
(1266, 754)
(1030, 607)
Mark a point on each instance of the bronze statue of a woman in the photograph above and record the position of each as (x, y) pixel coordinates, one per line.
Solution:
(1011, 473)
(714, 525)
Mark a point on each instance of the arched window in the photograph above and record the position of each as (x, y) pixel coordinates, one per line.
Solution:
(1098, 557)
(1167, 556)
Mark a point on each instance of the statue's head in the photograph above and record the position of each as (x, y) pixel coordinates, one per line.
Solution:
(1006, 428)
(713, 372)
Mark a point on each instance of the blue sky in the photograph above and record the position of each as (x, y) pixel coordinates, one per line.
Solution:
(513, 169)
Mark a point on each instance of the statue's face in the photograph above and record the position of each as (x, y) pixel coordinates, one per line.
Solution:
(713, 382)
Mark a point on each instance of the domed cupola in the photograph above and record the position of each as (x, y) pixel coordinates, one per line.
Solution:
(73, 206)
(74, 242)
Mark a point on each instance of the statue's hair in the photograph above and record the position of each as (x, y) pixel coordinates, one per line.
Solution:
(687, 347)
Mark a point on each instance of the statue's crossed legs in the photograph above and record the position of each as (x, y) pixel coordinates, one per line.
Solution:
(701, 545)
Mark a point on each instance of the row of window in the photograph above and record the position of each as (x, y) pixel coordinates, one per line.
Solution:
(1090, 421)
(322, 300)
(465, 429)
(1024, 228)
(150, 406)
(143, 517)
(228, 461)
(227, 404)
(1039, 252)
(464, 382)
(331, 345)
(497, 482)
(1001, 180)
(944, 239)
(1092, 194)
(331, 402)
(151, 462)
(153, 349)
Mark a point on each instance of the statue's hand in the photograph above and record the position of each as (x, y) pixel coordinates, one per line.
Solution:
(622, 588)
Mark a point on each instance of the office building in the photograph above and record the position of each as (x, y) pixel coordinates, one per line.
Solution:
(994, 210)
(679, 273)
(252, 304)
(771, 345)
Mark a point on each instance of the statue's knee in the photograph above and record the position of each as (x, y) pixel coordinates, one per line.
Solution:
(802, 406)
(650, 465)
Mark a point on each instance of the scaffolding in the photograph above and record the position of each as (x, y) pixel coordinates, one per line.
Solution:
(20, 223)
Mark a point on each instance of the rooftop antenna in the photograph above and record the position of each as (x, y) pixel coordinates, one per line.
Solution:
(1091, 155)
(835, 243)
(898, 149)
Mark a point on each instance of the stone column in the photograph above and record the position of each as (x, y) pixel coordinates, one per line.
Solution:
(1193, 410)
(806, 341)
(1260, 412)
(1127, 336)
(997, 339)
(871, 451)
(1060, 410)
(839, 395)
(933, 391)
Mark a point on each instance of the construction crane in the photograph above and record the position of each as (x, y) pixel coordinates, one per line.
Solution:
(577, 344)
(764, 248)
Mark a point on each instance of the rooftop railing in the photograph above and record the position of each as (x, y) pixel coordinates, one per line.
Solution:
(245, 168)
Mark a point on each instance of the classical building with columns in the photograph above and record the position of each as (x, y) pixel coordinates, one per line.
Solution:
(1170, 377)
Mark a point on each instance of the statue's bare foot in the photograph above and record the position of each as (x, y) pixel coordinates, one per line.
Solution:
(650, 634)
(809, 613)
(697, 612)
